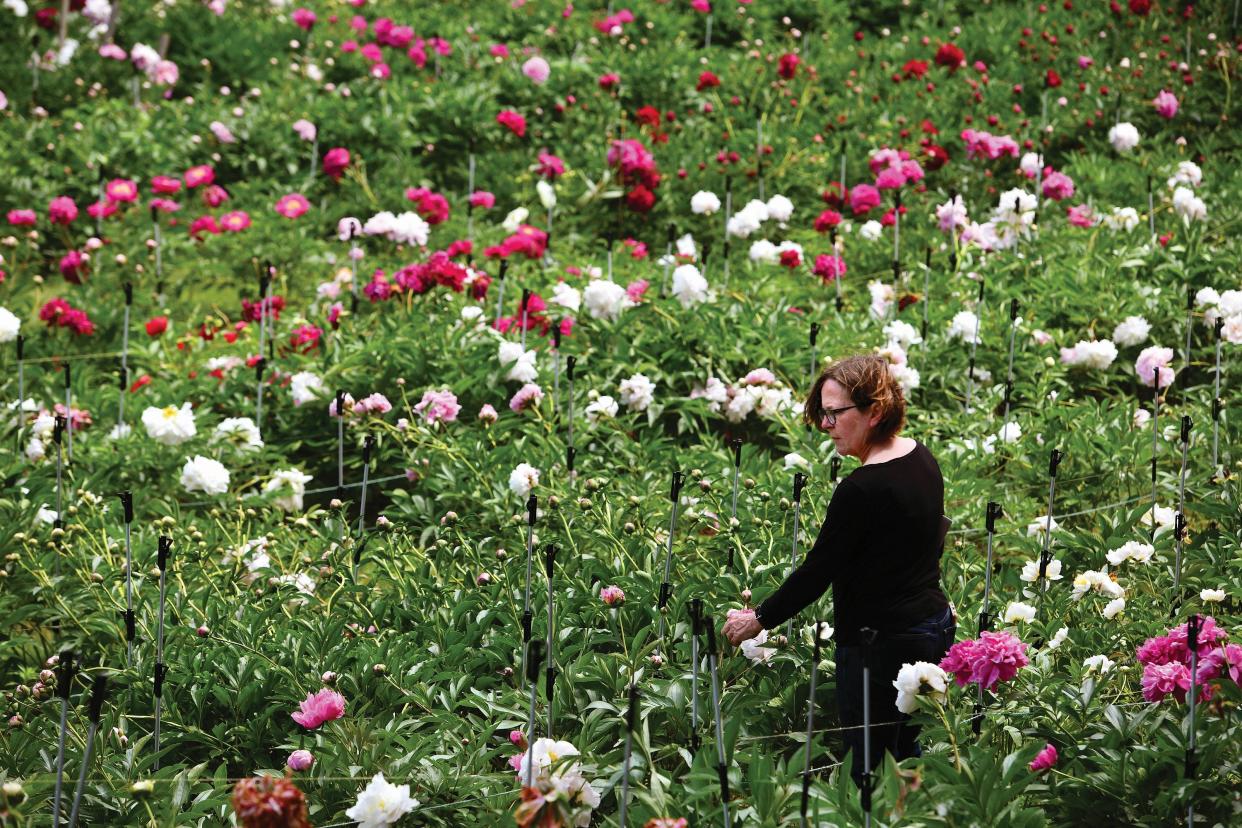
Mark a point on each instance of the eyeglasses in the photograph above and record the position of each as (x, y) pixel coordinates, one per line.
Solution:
(830, 416)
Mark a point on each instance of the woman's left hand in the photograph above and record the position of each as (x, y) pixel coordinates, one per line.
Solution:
(741, 626)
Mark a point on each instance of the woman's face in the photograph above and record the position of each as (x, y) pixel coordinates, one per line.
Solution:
(852, 431)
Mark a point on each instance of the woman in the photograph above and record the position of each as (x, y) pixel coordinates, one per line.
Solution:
(879, 548)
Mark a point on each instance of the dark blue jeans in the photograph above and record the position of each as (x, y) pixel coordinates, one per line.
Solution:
(926, 641)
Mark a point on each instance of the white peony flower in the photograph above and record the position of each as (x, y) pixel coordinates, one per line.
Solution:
(965, 326)
(1031, 164)
(704, 203)
(1018, 611)
(515, 219)
(637, 392)
(46, 515)
(240, 432)
(521, 362)
(1212, 596)
(1164, 518)
(882, 297)
(471, 313)
(381, 803)
(763, 251)
(1030, 571)
(793, 460)
(685, 246)
(780, 208)
(748, 219)
(1130, 551)
(606, 299)
(689, 286)
(547, 194)
(921, 678)
(1098, 663)
(304, 387)
(753, 648)
(1187, 172)
(871, 230)
(1124, 137)
(1041, 524)
(602, 406)
(10, 325)
(902, 333)
(291, 484)
(566, 296)
(1057, 639)
(1097, 580)
(169, 425)
(907, 377)
(1098, 354)
(1009, 433)
(409, 228)
(522, 479)
(202, 474)
(1188, 205)
(1113, 607)
(1132, 331)
(1122, 219)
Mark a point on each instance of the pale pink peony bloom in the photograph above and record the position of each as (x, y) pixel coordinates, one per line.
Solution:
(488, 414)
(528, 396)
(305, 129)
(438, 407)
(537, 69)
(300, 760)
(612, 596)
(1150, 361)
(320, 707)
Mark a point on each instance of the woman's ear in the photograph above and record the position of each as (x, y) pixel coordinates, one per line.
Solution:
(873, 419)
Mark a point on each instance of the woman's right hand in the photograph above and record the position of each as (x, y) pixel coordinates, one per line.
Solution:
(741, 626)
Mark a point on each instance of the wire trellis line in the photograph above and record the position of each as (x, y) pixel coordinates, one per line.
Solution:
(1127, 501)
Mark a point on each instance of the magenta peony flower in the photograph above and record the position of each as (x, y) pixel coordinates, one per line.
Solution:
(1165, 103)
(992, 658)
(235, 222)
(512, 121)
(62, 210)
(73, 266)
(165, 185)
(121, 189)
(863, 198)
(438, 407)
(482, 199)
(550, 166)
(1044, 760)
(304, 19)
(1081, 215)
(199, 176)
(890, 179)
(292, 205)
(320, 707)
(22, 218)
(335, 161)
(1159, 680)
(829, 268)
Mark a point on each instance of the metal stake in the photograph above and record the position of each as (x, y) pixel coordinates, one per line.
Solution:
(666, 588)
(99, 691)
(66, 670)
(722, 768)
(630, 715)
(165, 547)
(799, 482)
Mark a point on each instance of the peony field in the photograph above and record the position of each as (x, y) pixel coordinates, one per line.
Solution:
(397, 399)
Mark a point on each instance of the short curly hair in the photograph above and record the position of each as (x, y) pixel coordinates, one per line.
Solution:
(868, 381)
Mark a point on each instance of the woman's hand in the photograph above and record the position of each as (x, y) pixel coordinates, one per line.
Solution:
(741, 626)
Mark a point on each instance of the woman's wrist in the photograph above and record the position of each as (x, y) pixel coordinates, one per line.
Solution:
(759, 616)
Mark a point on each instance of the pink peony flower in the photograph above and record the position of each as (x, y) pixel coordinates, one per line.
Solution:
(512, 121)
(528, 396)
(438, 407)
(759, 376)
(537, 69)
(165, 185)
(890, 179)
(113, 52)
(1081, 215)
(863, 198)
(335, 161)
(635, 290)
(829, 268)
(292, 205)
(73, 266)
(320, 707)
(121, 189)
(612, 596)
(609, 81)
(22, 218)
(199, 176)
(1044, 760)
(482, 199)
(376, 403)
(305, 129)
(235, 222)
(992, 658)
(300, 760)
(550, 166)
(488, 414)
(1165, 103)
(1150, 361)
(304, 19)
(1159, 680)
(62, 210)
(1058, 186)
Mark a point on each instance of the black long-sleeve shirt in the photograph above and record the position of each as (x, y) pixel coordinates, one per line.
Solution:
(879, 548)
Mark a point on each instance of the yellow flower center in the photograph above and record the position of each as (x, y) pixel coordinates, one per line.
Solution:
(170, 412)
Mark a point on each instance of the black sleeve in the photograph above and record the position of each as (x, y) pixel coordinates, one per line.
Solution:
(838, 537)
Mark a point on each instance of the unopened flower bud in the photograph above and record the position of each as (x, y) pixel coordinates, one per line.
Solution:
(749, 483)
(483, 579)
(746, 596)
(380, 669)
(328, 677)
(656, 660)
(142, 789)
(203, 631)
